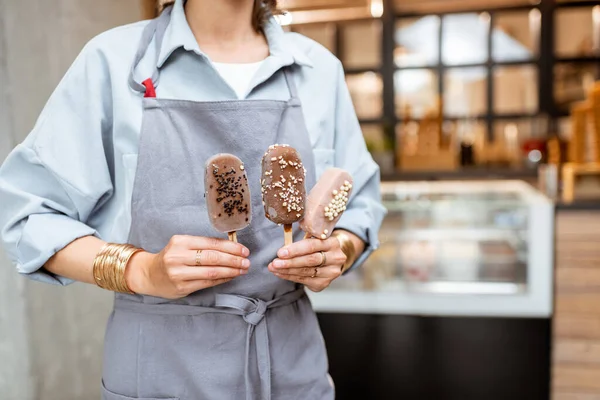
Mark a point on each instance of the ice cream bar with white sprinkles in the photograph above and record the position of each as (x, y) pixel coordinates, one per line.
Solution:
(326, 203)
(283, 187)
(227, 194)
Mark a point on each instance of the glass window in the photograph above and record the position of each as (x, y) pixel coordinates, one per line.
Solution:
(576, 31)
(416, 92)
(417, 41)
(572, 82)
(466, 130)
(380, 146)
(465, 92)
(511, 133)
(522, 141)
(374, 137)
(465, 38)
(366, 91)
(563, 127)
(516, 89)
(321, 33)
(516, 35)
(361, 44)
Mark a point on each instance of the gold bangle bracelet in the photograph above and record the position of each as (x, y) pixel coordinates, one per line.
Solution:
(110, 265)
(348, 248)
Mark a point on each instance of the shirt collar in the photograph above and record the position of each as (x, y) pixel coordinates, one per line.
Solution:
(179, 34)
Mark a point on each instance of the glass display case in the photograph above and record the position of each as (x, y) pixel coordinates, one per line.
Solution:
(455, 248)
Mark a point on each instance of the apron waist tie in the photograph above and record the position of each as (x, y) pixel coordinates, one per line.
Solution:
(254, 313)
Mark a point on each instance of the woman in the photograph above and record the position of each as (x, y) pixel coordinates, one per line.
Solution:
(118, 156)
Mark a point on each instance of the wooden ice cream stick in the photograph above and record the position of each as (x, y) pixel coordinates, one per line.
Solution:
(288, 234)
(233, 236)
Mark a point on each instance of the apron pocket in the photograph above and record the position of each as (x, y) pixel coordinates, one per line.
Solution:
(108, 395)
(324, 159)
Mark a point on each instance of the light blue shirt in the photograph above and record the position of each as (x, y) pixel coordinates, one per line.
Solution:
(73, 175)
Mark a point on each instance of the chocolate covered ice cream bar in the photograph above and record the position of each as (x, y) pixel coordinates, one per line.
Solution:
(283, 187)
(228, 199)
(326, 203)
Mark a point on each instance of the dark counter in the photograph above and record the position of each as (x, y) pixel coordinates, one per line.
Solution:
(581, 205)
(389, 357)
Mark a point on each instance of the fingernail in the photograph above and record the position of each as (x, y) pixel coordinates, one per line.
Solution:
(279, 264)
(243, 271)
(245, 252)
(284, 253)
(246, 263)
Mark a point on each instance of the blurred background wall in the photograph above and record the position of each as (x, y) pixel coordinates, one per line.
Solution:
(445, 90)
(50, 337)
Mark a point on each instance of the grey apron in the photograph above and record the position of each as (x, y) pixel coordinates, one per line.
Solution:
(255, 337)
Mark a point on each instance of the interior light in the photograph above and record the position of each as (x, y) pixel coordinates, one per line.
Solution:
(284, 19)
(376, 8)
(485, 17)
(535, 156)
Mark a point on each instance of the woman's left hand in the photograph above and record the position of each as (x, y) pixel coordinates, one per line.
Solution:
(312, 262)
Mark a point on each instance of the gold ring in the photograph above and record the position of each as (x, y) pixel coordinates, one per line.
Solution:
(198, 261)
(316, 273)
(324, 260)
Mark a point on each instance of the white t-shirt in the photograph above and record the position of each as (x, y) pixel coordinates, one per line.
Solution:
(238, 76)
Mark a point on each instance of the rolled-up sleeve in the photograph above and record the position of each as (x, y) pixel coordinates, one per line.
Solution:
(365, 212)
(53, 182)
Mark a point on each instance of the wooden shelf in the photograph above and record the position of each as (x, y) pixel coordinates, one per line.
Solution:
(463, 173)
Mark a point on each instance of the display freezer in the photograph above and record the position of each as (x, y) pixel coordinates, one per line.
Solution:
(455, 249)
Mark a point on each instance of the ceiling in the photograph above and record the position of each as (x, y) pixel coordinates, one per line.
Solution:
(303, 5)
(433, 6)
(402, 5)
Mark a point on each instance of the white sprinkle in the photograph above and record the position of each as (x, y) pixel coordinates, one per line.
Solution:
(335, 192)
(273, 158)
(326, 231)
(346, 183)
(242, 167)
(323, 236)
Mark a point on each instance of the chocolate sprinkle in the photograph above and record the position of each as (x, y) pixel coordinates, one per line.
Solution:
(230, 191)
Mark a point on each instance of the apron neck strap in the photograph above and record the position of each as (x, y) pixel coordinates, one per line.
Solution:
(289, 79)
(156, 30)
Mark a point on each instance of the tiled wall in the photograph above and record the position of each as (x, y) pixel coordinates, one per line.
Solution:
(50, 337)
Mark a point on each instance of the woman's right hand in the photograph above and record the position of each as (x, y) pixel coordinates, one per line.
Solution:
(173, 273)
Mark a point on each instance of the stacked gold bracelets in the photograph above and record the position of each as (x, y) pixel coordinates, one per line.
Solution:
(110, 264)
(348, 249)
